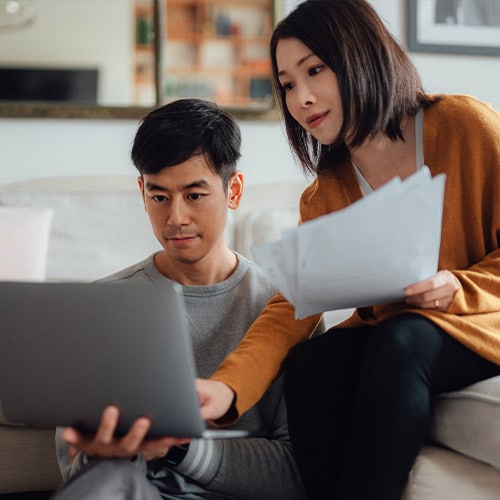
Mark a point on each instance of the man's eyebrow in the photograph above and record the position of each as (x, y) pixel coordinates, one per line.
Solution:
(299, 62)
(202, 183)
(152, 186)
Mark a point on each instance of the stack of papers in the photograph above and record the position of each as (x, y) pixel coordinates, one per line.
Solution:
(363, 255)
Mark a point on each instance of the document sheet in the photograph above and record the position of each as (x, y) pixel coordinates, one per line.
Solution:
(363, 255)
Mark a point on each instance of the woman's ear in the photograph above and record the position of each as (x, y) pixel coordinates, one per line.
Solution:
(235, 190)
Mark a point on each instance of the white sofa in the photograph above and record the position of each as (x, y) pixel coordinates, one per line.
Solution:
(98, 226)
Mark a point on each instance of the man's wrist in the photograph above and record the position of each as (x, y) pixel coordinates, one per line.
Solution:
(176, 455)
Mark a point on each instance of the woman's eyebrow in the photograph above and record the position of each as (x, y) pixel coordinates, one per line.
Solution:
(301, 61)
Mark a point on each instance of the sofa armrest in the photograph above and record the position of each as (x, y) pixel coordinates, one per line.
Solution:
(468, 421)
(28, 460)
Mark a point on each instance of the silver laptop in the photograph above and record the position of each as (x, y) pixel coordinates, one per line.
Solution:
(67, 350)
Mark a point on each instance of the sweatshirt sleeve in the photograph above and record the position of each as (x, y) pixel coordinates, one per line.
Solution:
(249, 468)
(250, 369)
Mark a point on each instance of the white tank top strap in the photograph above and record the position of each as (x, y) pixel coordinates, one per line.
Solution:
(419, 153)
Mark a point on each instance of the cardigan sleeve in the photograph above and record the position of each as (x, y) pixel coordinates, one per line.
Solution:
(479, 290)
(474, 211)
(250, 369)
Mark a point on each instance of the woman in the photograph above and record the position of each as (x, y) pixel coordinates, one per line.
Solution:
(356, 115)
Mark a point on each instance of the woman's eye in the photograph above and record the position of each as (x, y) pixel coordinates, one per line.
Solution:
(287, 86)
(315, 70)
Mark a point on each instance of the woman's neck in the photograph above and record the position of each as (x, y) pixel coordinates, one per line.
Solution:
(380, 159)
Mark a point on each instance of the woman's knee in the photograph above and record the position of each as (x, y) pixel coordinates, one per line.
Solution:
(406, 340)
(328, 348)
(332, 358)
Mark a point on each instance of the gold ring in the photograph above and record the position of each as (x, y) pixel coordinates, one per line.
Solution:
(436, 303)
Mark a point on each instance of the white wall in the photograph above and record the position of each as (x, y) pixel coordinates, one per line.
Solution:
(46, 148)
(32, 148)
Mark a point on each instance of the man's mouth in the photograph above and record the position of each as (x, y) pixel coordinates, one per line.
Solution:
(179, 238)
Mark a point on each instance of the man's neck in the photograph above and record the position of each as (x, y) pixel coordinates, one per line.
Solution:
(212, 269)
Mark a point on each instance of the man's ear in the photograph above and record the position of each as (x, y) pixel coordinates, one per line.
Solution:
(235, 190)
(140, 183)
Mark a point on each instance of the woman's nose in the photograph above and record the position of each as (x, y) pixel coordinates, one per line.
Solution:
(304, 95)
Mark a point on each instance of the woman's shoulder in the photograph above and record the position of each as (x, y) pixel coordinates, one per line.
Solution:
(462, 107)
(313, 199)
(461, 116)
(330, 191)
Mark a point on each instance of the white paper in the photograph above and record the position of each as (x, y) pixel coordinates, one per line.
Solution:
(363, 255)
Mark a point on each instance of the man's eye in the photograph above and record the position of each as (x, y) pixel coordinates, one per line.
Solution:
(159, 198)
(195, 196)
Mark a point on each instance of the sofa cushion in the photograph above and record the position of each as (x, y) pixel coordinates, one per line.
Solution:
(440, 474)
(94, 233)
(265, 211)
(261, 226)
(24, 241)
(468, 421)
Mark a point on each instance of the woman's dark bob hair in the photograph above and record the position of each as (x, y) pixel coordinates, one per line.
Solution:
(378, 83)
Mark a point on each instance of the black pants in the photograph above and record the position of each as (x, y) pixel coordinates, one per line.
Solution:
(359, 403)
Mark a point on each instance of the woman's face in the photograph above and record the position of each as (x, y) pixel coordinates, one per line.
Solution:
(311, 90)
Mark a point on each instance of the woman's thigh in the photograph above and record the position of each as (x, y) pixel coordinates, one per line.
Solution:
(412, 347)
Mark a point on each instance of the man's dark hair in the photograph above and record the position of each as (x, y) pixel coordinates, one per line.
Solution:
(175, 132)
(377, 81)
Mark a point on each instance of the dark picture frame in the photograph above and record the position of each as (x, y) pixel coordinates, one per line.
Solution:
(453, 27)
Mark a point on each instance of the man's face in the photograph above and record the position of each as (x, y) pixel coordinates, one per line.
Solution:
(187, 206)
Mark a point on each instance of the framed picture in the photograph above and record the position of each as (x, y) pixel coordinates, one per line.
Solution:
(454, 26)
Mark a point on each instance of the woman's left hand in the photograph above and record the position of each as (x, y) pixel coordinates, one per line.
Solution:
(434, 293)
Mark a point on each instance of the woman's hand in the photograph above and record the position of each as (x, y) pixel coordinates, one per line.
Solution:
(216, 398)
(434, 293)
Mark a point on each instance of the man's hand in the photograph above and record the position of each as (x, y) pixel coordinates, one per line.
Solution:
(105, 445)
(216, 398)
(434, 293)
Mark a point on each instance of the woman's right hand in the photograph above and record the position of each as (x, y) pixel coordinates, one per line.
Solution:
(216, 398)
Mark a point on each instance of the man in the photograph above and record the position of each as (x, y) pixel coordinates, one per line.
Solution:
(186, 153)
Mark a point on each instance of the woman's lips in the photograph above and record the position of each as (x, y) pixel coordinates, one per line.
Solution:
(314, 120)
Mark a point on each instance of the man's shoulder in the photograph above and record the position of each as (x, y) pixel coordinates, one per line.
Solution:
(254, 272)
(139, 271)
(256, 289)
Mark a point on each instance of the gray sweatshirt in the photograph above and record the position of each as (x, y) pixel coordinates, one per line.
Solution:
(258, 467)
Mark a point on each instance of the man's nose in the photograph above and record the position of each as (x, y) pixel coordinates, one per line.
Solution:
(177, 215)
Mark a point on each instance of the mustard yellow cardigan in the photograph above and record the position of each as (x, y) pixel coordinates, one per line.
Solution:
(461, 139)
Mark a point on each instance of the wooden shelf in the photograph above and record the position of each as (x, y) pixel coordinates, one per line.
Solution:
(215, 49)
(197, 38)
